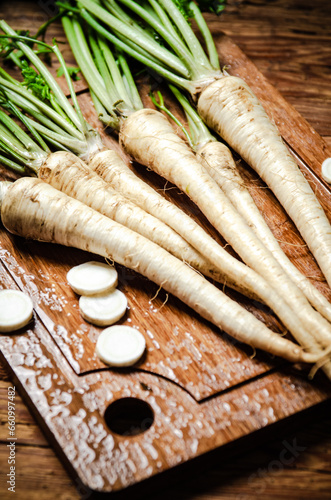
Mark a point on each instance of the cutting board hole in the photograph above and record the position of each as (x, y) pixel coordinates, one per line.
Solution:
(129, 416)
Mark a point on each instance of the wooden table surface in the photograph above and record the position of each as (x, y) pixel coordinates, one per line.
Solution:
(290, 42)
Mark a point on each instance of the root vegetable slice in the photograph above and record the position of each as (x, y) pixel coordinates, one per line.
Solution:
(120, 345)
(105, 309)
(92, 278)
(326, 170)
(16, 310)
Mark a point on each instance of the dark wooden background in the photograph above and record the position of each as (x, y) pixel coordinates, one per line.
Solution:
(290, 42)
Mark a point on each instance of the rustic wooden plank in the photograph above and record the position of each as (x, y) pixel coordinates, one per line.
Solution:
(39, 475)
(275, 486)
(4, 375)
(27, 435)
(27, 430)
(290, 44)
(44, 478)
(21, 412)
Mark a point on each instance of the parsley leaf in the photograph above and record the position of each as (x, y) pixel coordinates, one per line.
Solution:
(73, 72)
(183, 7)
(35, 82)
(214, 6)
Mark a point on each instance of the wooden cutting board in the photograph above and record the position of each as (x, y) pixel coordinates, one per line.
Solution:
(196, 389)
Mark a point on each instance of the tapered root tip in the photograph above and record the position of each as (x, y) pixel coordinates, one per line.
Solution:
(322, 359)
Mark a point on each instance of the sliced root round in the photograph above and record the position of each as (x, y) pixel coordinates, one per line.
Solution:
(105, 309)
(120, 345)
(92, 278)
(326, 170)
(16, 310)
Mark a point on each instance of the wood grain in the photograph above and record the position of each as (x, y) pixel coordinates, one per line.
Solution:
(243, 24)
(71, 410)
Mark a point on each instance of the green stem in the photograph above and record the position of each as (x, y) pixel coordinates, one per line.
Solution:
(106, 77)
(73, 96)
(110, 75)
(57, 146)
(146, 61)
(194, 131)
(7, 77)
(12, 165)
(57, 108)
(137, 36)
(22, 38)
(82, 54)
(163, 16)
(191, 40)
(129, 44)
(199, 131)
(132, 88)
(202, 25)
(108, 120)
(9, 141)
(16, 112)
(171, 38)
(34, 59)
(43, 28)
(15, 59)
(26, 106)
(160, 105)
(78, 147)
(114, 71)
(12, 151)
(118, 12)
(43, 108)
(18, 133)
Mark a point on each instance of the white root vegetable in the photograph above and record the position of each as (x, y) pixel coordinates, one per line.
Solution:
(110, 166)
(36, 210)
(120, 345)
(16, 310)
(112, 169)
(104, 309)
(4, 186)
(230, 107)
(67, 173)
(148, 137)
(218, 161)
(92, 277)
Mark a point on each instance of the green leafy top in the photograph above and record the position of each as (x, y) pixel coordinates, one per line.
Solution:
(6, 47)
(35, 82)
(10, 52)
(184, 7)
(214, 6)
(39, 103)
(181, 59)
(73, 72)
